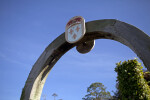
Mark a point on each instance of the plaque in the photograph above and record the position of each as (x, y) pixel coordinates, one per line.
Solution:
(75, 29)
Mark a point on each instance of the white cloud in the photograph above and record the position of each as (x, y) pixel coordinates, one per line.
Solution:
(11, 60)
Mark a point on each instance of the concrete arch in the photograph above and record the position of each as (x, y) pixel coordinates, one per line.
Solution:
(113, 29)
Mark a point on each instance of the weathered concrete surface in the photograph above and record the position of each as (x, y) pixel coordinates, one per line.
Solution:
(85, 47)
(122, 32)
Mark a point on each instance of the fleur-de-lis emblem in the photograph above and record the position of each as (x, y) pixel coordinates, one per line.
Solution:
(75, 29)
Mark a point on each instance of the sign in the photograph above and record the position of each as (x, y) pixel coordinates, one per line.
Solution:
(75, 29)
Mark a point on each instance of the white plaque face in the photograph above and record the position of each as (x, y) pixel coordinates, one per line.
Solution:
(75, 29)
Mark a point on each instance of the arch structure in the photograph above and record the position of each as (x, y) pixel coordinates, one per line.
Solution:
(112, 29)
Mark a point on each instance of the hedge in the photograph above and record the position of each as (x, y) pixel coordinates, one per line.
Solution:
(131, 82)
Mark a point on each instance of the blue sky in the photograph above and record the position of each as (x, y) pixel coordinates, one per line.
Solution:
(28, 26)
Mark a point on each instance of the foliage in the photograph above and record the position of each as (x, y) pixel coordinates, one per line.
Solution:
(131, 82)
(55, 95)
(147, 77)
(117, 94)
(96, 91)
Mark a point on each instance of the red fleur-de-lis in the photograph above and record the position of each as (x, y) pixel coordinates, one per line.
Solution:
(74, 36)
(77, 29)
(71, 31)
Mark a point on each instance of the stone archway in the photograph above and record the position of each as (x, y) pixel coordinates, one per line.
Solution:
(113, 29)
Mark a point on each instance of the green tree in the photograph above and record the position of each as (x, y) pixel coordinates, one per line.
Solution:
(117, 94)
(97, 91)
(131, 82)
(147, 77)
(54, 95)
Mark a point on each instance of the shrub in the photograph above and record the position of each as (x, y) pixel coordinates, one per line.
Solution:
(131, 82)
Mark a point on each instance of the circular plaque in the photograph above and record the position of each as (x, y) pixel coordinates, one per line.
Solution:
(85, 47)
